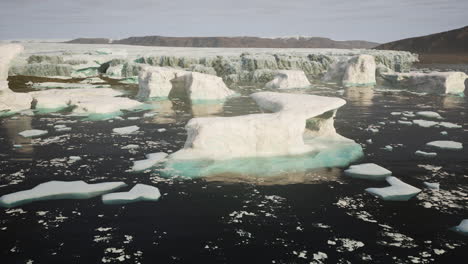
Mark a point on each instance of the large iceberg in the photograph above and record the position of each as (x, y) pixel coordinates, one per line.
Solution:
(54, 190)
(287, 79)
(432, 82)
(9, 100)
(164, 82)
(360, 71)
(300, 126)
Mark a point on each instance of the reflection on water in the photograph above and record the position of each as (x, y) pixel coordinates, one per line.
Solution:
(15, 126)
(452, 101)
(359, 95)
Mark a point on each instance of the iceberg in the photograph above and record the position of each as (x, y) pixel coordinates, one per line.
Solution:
(151, 160)
(297, 124)
(141, 192)
(432, 82)
(10, 101)
(287, 79)
(125, 130)
(368, 171)
(360, 71)
(398, 191)
(54, 190)
(462, 228)
(445, 144)
(33, 133)
(165, 82)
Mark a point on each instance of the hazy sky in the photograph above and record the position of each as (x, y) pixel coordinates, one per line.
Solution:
(373, 20)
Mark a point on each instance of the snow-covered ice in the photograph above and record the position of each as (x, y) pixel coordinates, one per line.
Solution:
(53, 190)
(33, 133)
(140, 192)
(398, 191)
(287, 79)
(369, 171)
(360, 71)
(125, 130)
(445, 144)
(151, 160)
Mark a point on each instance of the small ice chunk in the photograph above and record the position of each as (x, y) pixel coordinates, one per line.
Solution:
(398, 191)
(449, 125)
(425, 123)
(54, 190)
(141, 192)
(74, 158)
(432, 185)
(445, 144)
(125, 130)
(388, 148)
(444, 133)
(407, 123)
(130, 146)
(462, 228)
(33, 133)
(395, 113)
(429, 114)
(425, 154)
(151, 160)
(161, 130)
(369, 171)
(369, 141)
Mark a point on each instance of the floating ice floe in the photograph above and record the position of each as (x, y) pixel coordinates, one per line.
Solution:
(462, 228)
(58, 85)
(141, 192)
(429, 114)
(368, 171)
(151, 160)
(287, 79)
(398, 191)
(425, 123)
(449, 125)
(10, 102)
(54, 190)
(406, 123)
(360, 71)
(298, 125)
(165, 82)
(125, 130)
(33, 133)
(433, 82)
(425, 154)
(432, 185)
(445, 144)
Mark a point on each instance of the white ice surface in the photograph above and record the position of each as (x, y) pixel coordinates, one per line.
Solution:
(432, 82)
(369, 171)
(55, 85)
(287, 79)
(360, 71)
(429, 114)
(432, 185)
(398, 191)
(59, 190)
(33, 133)
(445, 144)
(151, 160)
(140, 192)
(425, 154)
(125, 130)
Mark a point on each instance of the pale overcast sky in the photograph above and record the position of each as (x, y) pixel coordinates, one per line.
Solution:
(373, 20)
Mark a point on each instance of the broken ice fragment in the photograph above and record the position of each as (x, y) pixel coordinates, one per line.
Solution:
(125, 130)
(54, 190)
(398, 191)
(432, 185)
(425, 154)
(150, 161)
(141, 192)
(33, 133)
(429, 114)
(462, 228)
(445, 144)
(425, 123)
(369, 171)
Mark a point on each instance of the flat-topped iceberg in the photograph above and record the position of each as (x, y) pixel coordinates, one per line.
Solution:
(141, 192)
(298, 125)
(398, 191)
(360, 71)
(433, 82)
(54, 190)
(369, 171)
(151, 160)
(10, 101)
(33, 133)
(287, 79)
(445, 144)
(164, 82)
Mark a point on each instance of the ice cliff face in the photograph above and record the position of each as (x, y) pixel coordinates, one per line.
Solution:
(433, 82)
(233, 65)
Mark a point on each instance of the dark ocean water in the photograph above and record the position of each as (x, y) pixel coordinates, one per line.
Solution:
(318, 216)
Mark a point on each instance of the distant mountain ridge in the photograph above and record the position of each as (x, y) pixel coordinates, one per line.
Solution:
(232, 42)
(448, 42)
